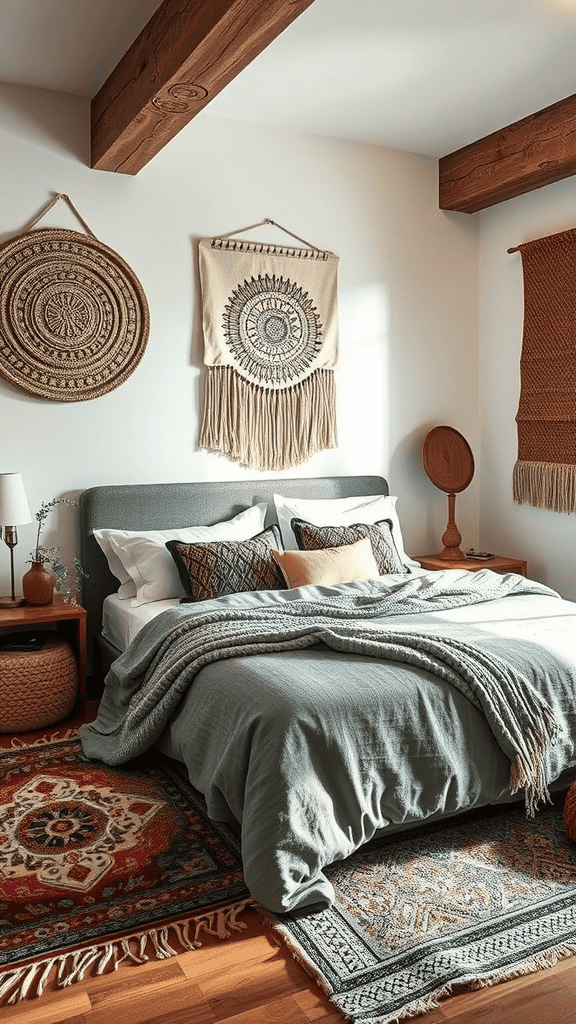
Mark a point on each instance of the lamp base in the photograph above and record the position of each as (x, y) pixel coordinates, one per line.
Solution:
(8, 602)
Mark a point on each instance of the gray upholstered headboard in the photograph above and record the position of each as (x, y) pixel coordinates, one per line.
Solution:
(168, 506)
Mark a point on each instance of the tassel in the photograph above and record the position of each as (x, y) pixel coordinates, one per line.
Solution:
(550, 486)
(266, 428)
(30, 980)
(55, 737)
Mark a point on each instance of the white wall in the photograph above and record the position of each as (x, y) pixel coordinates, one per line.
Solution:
(407, 299)
(546, 539)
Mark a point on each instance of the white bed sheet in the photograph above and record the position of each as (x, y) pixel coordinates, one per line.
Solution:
(121, 622)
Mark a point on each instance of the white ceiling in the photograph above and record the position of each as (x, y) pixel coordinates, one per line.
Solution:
(426, 76)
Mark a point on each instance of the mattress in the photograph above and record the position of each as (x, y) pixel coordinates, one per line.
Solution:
(121, 622)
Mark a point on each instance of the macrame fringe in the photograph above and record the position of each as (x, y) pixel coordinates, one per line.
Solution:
(266, 428)
(550, 486)
(30, 980)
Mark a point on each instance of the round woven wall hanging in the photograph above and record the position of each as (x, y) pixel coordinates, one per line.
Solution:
(74, 319)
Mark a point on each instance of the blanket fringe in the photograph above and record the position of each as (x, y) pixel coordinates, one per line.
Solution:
(550, 486)
(267, 428)
(527, 771)
(30, 980)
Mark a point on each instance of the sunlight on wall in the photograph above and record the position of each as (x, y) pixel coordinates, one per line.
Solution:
(364, 376)
(408, 281)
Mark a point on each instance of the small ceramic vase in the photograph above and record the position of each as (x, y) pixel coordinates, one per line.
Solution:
(38, 585)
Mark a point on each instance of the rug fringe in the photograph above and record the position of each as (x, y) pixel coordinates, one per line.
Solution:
(30, 980)
(295, 949)
(542, 962)
(19, 744)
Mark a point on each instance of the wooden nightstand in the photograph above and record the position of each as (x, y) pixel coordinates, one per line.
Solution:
(498, 564)
(70, 622)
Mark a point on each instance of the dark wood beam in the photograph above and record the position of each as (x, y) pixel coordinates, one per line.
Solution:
(187, 53)
(522, 157)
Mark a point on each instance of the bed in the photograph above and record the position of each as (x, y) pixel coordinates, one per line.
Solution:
(317, 714)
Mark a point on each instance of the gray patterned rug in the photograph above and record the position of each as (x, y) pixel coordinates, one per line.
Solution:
(473, 902)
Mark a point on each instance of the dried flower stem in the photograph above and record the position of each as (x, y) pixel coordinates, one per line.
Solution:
(67, 577)
(41, 516)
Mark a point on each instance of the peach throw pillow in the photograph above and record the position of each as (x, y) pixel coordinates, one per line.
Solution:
(328, 566)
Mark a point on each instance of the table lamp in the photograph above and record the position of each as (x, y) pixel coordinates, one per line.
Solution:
(14, 511)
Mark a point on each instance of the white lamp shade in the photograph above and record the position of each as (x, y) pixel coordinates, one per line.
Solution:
(14, 508)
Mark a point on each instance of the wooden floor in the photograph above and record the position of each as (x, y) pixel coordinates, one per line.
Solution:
(252, 979)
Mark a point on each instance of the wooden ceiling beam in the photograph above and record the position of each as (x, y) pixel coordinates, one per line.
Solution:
(524, 156)
(184, 56)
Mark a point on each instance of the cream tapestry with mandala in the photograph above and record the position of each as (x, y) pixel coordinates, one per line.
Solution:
(270, 325)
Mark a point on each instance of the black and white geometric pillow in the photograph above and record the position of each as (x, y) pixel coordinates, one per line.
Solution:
(220, 567)
(312, 538)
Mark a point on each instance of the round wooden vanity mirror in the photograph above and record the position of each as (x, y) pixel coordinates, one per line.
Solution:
(449, 464)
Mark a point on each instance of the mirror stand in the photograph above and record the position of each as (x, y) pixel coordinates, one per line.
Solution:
(449, 464)
(452, 538)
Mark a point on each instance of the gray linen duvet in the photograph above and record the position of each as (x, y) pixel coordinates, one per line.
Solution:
(315, 717)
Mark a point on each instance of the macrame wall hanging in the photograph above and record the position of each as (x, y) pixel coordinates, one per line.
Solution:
(270, 323)
(545, 472)
(74, 319)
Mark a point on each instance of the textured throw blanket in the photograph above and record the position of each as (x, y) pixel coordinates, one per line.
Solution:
(146, 684)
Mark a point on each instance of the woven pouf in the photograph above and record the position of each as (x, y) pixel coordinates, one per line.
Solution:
(570, 812)
(37, 688)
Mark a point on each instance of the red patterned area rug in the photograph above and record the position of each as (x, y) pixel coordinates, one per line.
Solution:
(100, 865)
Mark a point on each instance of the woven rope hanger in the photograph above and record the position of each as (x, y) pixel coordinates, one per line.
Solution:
(274, 223)
(48, 207)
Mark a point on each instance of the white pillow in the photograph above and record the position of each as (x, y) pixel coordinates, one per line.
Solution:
(341, 512)
(146, 560)
(127, 586)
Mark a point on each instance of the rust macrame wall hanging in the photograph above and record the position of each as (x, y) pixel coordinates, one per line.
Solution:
(270, 326)
(545, 472)
(74, 318)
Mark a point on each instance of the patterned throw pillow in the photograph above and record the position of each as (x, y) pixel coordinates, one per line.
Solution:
(228, 567)
(311, 538)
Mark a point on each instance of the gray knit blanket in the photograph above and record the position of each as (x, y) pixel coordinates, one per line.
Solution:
(148, 682)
